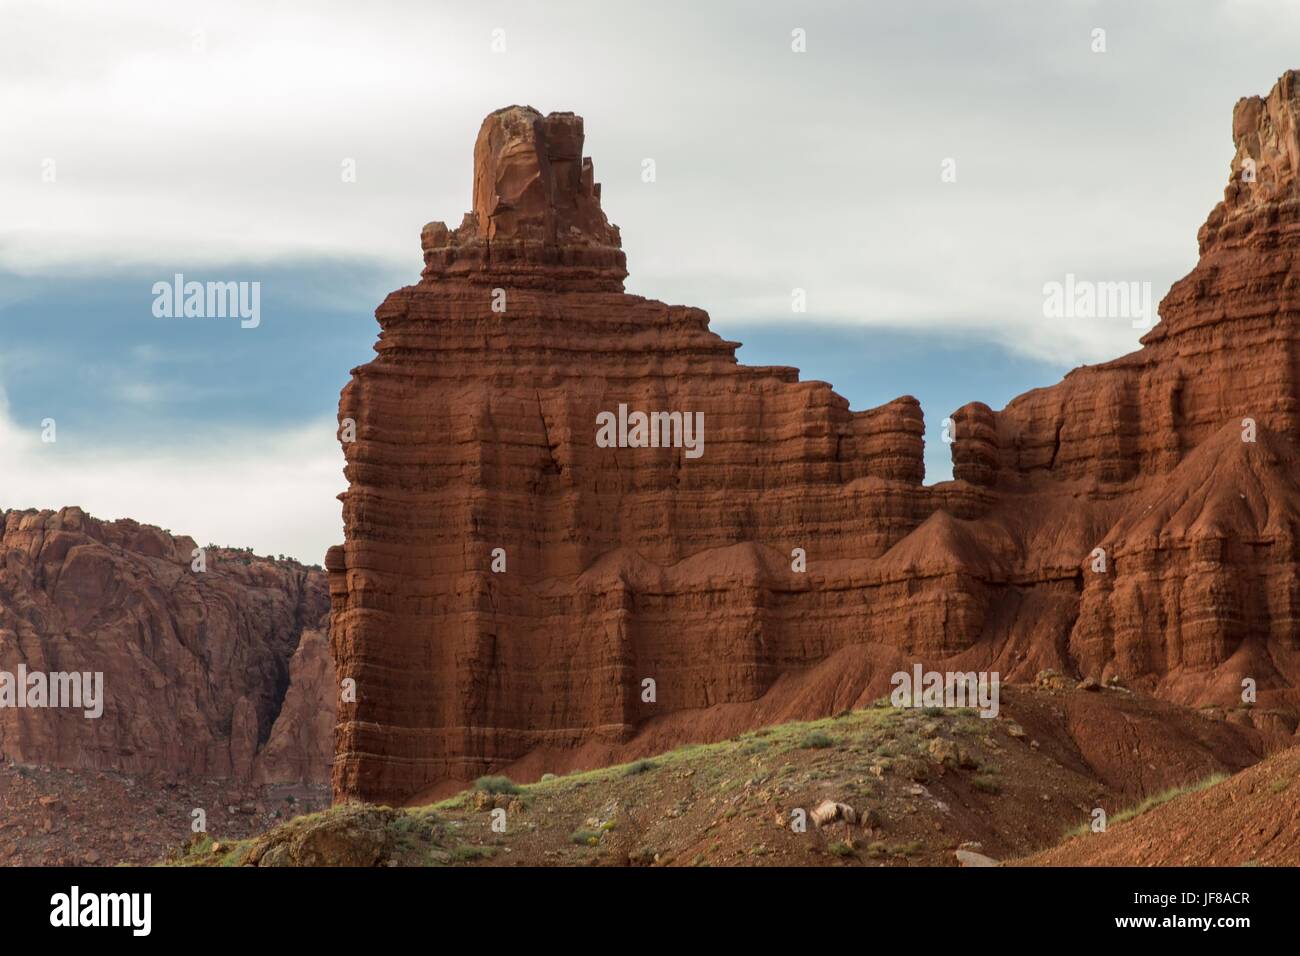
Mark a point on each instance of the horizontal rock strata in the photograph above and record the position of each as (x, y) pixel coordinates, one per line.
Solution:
(510, 581)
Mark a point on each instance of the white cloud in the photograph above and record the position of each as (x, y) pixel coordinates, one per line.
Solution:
(817, 170)
(271, 490)
(775, 170)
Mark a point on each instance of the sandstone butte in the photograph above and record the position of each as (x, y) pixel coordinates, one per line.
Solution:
(475, 430)
(223, 674)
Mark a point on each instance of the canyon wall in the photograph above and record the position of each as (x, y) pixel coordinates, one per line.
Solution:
(513, 587)
(221, 673)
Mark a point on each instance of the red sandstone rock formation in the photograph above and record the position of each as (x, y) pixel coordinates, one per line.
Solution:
(300, 748)
(1152, 454)
(216, 674)
(477, 428)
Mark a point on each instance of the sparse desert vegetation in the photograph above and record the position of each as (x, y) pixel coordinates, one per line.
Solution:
(914, 785)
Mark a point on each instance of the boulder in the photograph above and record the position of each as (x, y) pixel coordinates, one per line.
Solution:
(831, 811)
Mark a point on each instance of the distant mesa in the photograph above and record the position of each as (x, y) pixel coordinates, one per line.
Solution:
(220, 674)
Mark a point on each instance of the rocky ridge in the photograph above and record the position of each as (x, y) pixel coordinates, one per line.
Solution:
(218, 675)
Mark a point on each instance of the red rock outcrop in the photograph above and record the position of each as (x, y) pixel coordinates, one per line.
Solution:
(1179, 460)
(300, 748)
(511, 579)
(219, 674)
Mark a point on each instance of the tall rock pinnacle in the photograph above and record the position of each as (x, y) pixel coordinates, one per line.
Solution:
(1266, 132)
(536, 207)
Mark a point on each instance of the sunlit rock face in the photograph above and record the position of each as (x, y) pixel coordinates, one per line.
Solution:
(531, 536)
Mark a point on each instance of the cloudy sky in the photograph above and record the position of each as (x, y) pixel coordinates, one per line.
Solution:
(145, 139)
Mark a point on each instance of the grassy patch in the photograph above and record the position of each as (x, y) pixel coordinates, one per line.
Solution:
(236, 855)
(412, 831)
(199, 853)
(468, 852)
(439, 834)
(1150, 803)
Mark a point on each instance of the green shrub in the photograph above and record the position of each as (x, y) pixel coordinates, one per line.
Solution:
(817, 741)
(496, 785)
(915, 769)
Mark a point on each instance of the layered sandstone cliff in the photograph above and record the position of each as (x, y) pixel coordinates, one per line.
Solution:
(511, 581)
(219, 673)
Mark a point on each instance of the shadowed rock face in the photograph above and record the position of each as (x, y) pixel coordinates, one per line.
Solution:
(220, 674)
(477, 429)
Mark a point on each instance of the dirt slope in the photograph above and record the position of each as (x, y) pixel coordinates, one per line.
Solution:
(1252, 818)
(921, 784)
(60, 816)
